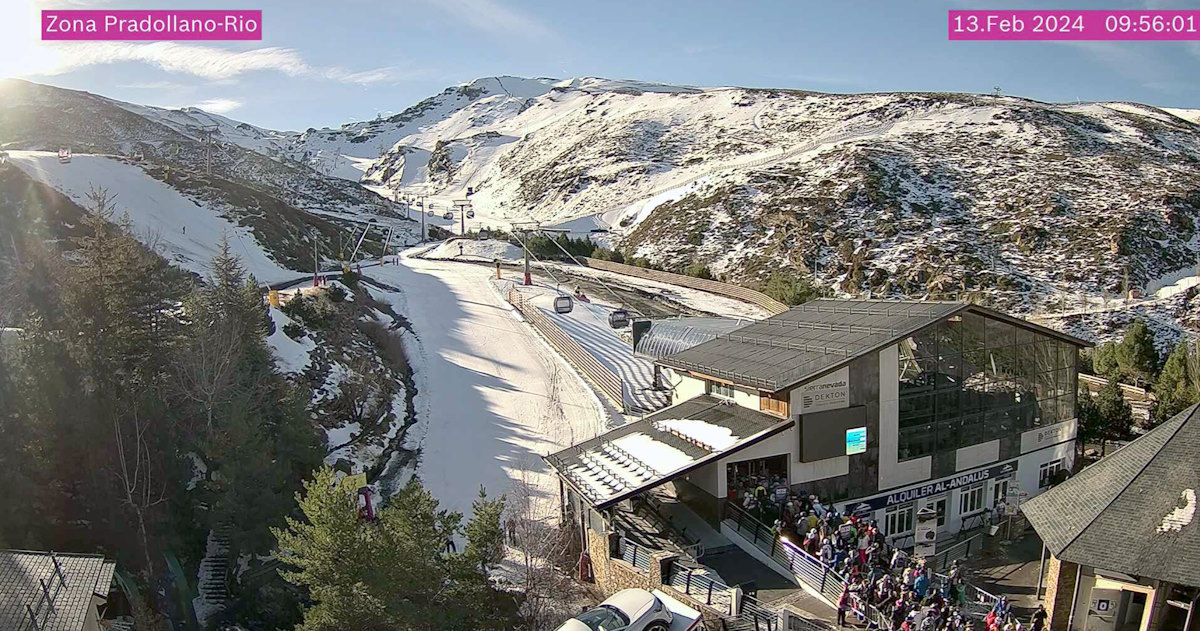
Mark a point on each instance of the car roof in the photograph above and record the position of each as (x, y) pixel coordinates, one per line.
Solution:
(633, 602)
(573, 625)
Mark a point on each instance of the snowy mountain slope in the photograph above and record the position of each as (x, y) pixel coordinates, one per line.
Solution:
(38, 117)
(182, 231)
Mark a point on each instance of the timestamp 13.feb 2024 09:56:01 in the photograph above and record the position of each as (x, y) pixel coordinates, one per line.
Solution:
(1074, 25)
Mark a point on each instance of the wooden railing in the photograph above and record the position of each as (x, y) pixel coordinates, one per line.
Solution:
(712, 286)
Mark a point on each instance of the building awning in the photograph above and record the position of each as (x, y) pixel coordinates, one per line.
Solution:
(661, 447)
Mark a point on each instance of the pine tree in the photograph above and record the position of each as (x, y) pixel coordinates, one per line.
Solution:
(1178, 385)
(395, 573)
(1136, 355)
(485, 537)
(1091, 423)
(1116, 417)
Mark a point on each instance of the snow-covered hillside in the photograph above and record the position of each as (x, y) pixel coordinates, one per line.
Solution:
(181, 230)
(1021, 204)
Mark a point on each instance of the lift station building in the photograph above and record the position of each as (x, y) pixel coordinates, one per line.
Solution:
(880, 408)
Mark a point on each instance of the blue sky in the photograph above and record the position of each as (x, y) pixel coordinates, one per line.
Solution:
(326, 62)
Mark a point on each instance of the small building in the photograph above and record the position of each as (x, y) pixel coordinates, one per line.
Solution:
(1124, 536)
(880, 408)
(44, 591)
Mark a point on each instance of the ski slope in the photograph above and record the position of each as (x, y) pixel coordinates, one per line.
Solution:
(492, 397)
(184, 232)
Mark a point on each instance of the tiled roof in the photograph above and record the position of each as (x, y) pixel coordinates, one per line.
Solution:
(818, 336)
(1134, 511)
(71, 590)
(641, 455)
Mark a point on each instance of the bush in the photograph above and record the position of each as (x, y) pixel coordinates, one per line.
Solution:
(336, 293)
(313, 309)
(294, 330)
(605, 254)
(792, 289)
(698, 270)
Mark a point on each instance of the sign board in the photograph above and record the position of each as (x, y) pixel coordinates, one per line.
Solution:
(354, 482)
(831, 392)
(925, 537)
(913, 493)
(1040, 437)
(856, 441)
(1103, 605)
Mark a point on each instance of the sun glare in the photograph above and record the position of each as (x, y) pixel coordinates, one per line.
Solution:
(22, 53)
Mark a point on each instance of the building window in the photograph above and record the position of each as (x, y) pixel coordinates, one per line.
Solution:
(776, 404)
(970, 500)
(720, 389)
(898, 520)
(939, 505)
(1047, 472)
(970, 379)
(1000, 491)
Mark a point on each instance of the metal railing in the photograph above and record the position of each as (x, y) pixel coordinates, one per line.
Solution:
(702, 588)
(636, 555)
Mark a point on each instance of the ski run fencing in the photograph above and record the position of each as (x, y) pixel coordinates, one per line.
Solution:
(691, 282)
(604, 379)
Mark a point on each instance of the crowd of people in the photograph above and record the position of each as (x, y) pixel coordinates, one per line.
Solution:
(907, 593)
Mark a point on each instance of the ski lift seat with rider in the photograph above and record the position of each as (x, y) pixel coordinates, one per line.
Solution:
(563, 304)
(618, 319)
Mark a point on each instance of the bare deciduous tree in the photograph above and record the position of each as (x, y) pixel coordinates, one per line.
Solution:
(205, 373)
(532, 526)
(135, 473)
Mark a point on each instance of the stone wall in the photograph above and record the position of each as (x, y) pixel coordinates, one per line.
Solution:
(1060, 591)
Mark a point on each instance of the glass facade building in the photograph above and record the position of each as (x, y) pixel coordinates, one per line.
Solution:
(970, 379)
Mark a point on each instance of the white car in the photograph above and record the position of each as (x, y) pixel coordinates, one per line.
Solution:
(626, 610)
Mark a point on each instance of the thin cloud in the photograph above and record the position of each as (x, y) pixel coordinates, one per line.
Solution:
(492, 17)
(219, 106)
(208, 62)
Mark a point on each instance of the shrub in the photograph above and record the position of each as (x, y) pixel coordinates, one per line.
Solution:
(698, 270)
(336, 293)
(792, 289)
(294, 330)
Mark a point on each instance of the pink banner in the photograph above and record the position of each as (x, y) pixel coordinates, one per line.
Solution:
(1072, 25)
(138, 25)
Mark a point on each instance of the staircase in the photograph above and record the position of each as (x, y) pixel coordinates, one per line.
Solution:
(213, 576)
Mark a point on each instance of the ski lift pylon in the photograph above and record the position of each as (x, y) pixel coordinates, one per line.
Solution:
(563, 304)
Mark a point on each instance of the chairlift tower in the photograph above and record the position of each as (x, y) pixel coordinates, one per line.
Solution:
(208, 134)
(461, 206)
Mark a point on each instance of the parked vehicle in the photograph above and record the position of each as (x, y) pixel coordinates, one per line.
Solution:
(626, 610)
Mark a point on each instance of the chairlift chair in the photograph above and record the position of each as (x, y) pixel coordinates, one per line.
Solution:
(470, 214)
(564, 304)
(618, 319)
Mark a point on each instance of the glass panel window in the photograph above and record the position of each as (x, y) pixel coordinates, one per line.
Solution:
(939, 504)
(898, 520)
(1047, 472)
(720, 389)
(999, 491)
(970, 500)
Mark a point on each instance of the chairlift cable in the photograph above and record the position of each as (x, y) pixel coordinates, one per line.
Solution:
(620, 301)
(545, 267)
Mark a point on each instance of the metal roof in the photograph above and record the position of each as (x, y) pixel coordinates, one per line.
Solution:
(1134, 511)
(668, 336)
(644, 454)
(818, 336)
(71, 587)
